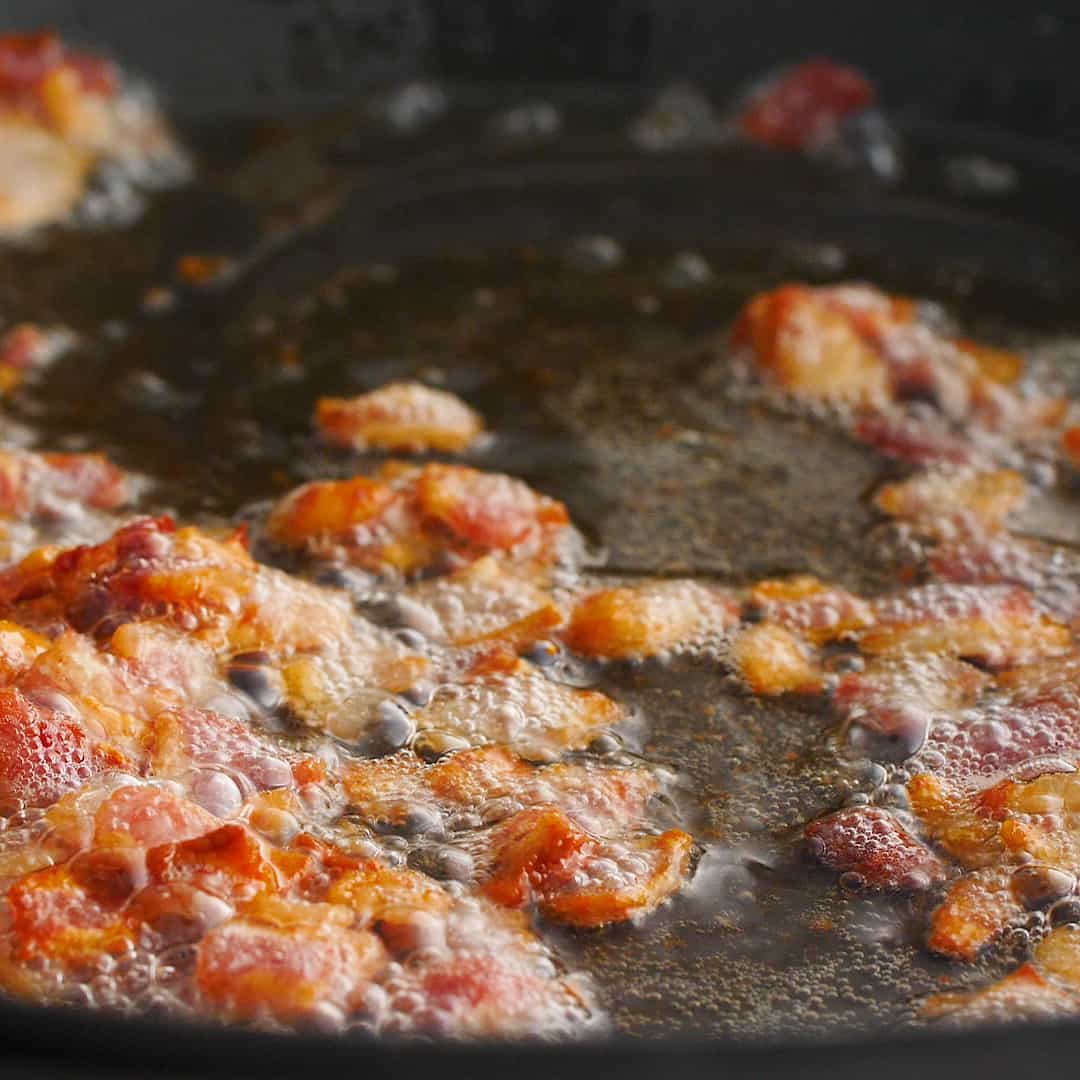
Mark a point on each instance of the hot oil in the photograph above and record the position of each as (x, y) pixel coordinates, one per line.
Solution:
(602, 379)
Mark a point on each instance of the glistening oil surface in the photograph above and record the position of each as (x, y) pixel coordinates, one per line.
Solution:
(596, 367)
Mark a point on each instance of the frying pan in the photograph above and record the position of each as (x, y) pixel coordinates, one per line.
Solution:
(307, 190)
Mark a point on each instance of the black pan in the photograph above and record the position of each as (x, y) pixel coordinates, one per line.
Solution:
(319, 206)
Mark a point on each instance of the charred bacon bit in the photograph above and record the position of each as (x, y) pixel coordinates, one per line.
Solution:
(247, 969)
(1023, 994)
(407, 417)
(869, 842)
(813, 611)
(997, 625)
(811, 348)
(984, 498)
(804, 106)
(647, 620)
(773, 661)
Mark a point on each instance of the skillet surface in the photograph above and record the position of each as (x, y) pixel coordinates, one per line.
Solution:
(604, 390)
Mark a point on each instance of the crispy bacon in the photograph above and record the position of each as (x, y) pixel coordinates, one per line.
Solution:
(983, 498)
(29, 60)
(540, 855)
(1022, 995)
(772, 661)
(605, 801)
(811, 348)
(803, 106)
(647, 620)
(810, 609)
(43, 751)
(483, 603)
(975, 910)
(871, 844)
(48, 485)
(995, 624)
(406, 417)
(250, 968)
(522, 709)
(407, 519)
(69, 916)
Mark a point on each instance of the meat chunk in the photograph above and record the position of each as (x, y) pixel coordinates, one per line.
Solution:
(523, 710)
(247, 968)
(480, 604)
(72, 914)
(61, 112)
(47, 485)
(406, 519)
(647, 620)
(893, 703)
(813, 611)
(406, 417)
(983, 499)
(871, 844)
(974, 912)
(146, 815)
(802, 107)
(811, 348)
(43, 179)
(606, 801)
(541, 856)
(772, 660)
(1022, 995)
(996, 625)
(43, 751)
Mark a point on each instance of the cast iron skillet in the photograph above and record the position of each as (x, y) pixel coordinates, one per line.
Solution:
(297, 200)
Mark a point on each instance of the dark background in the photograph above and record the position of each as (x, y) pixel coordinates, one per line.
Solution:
(1003, 65)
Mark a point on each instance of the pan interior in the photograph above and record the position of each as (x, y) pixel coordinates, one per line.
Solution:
(357, 259)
